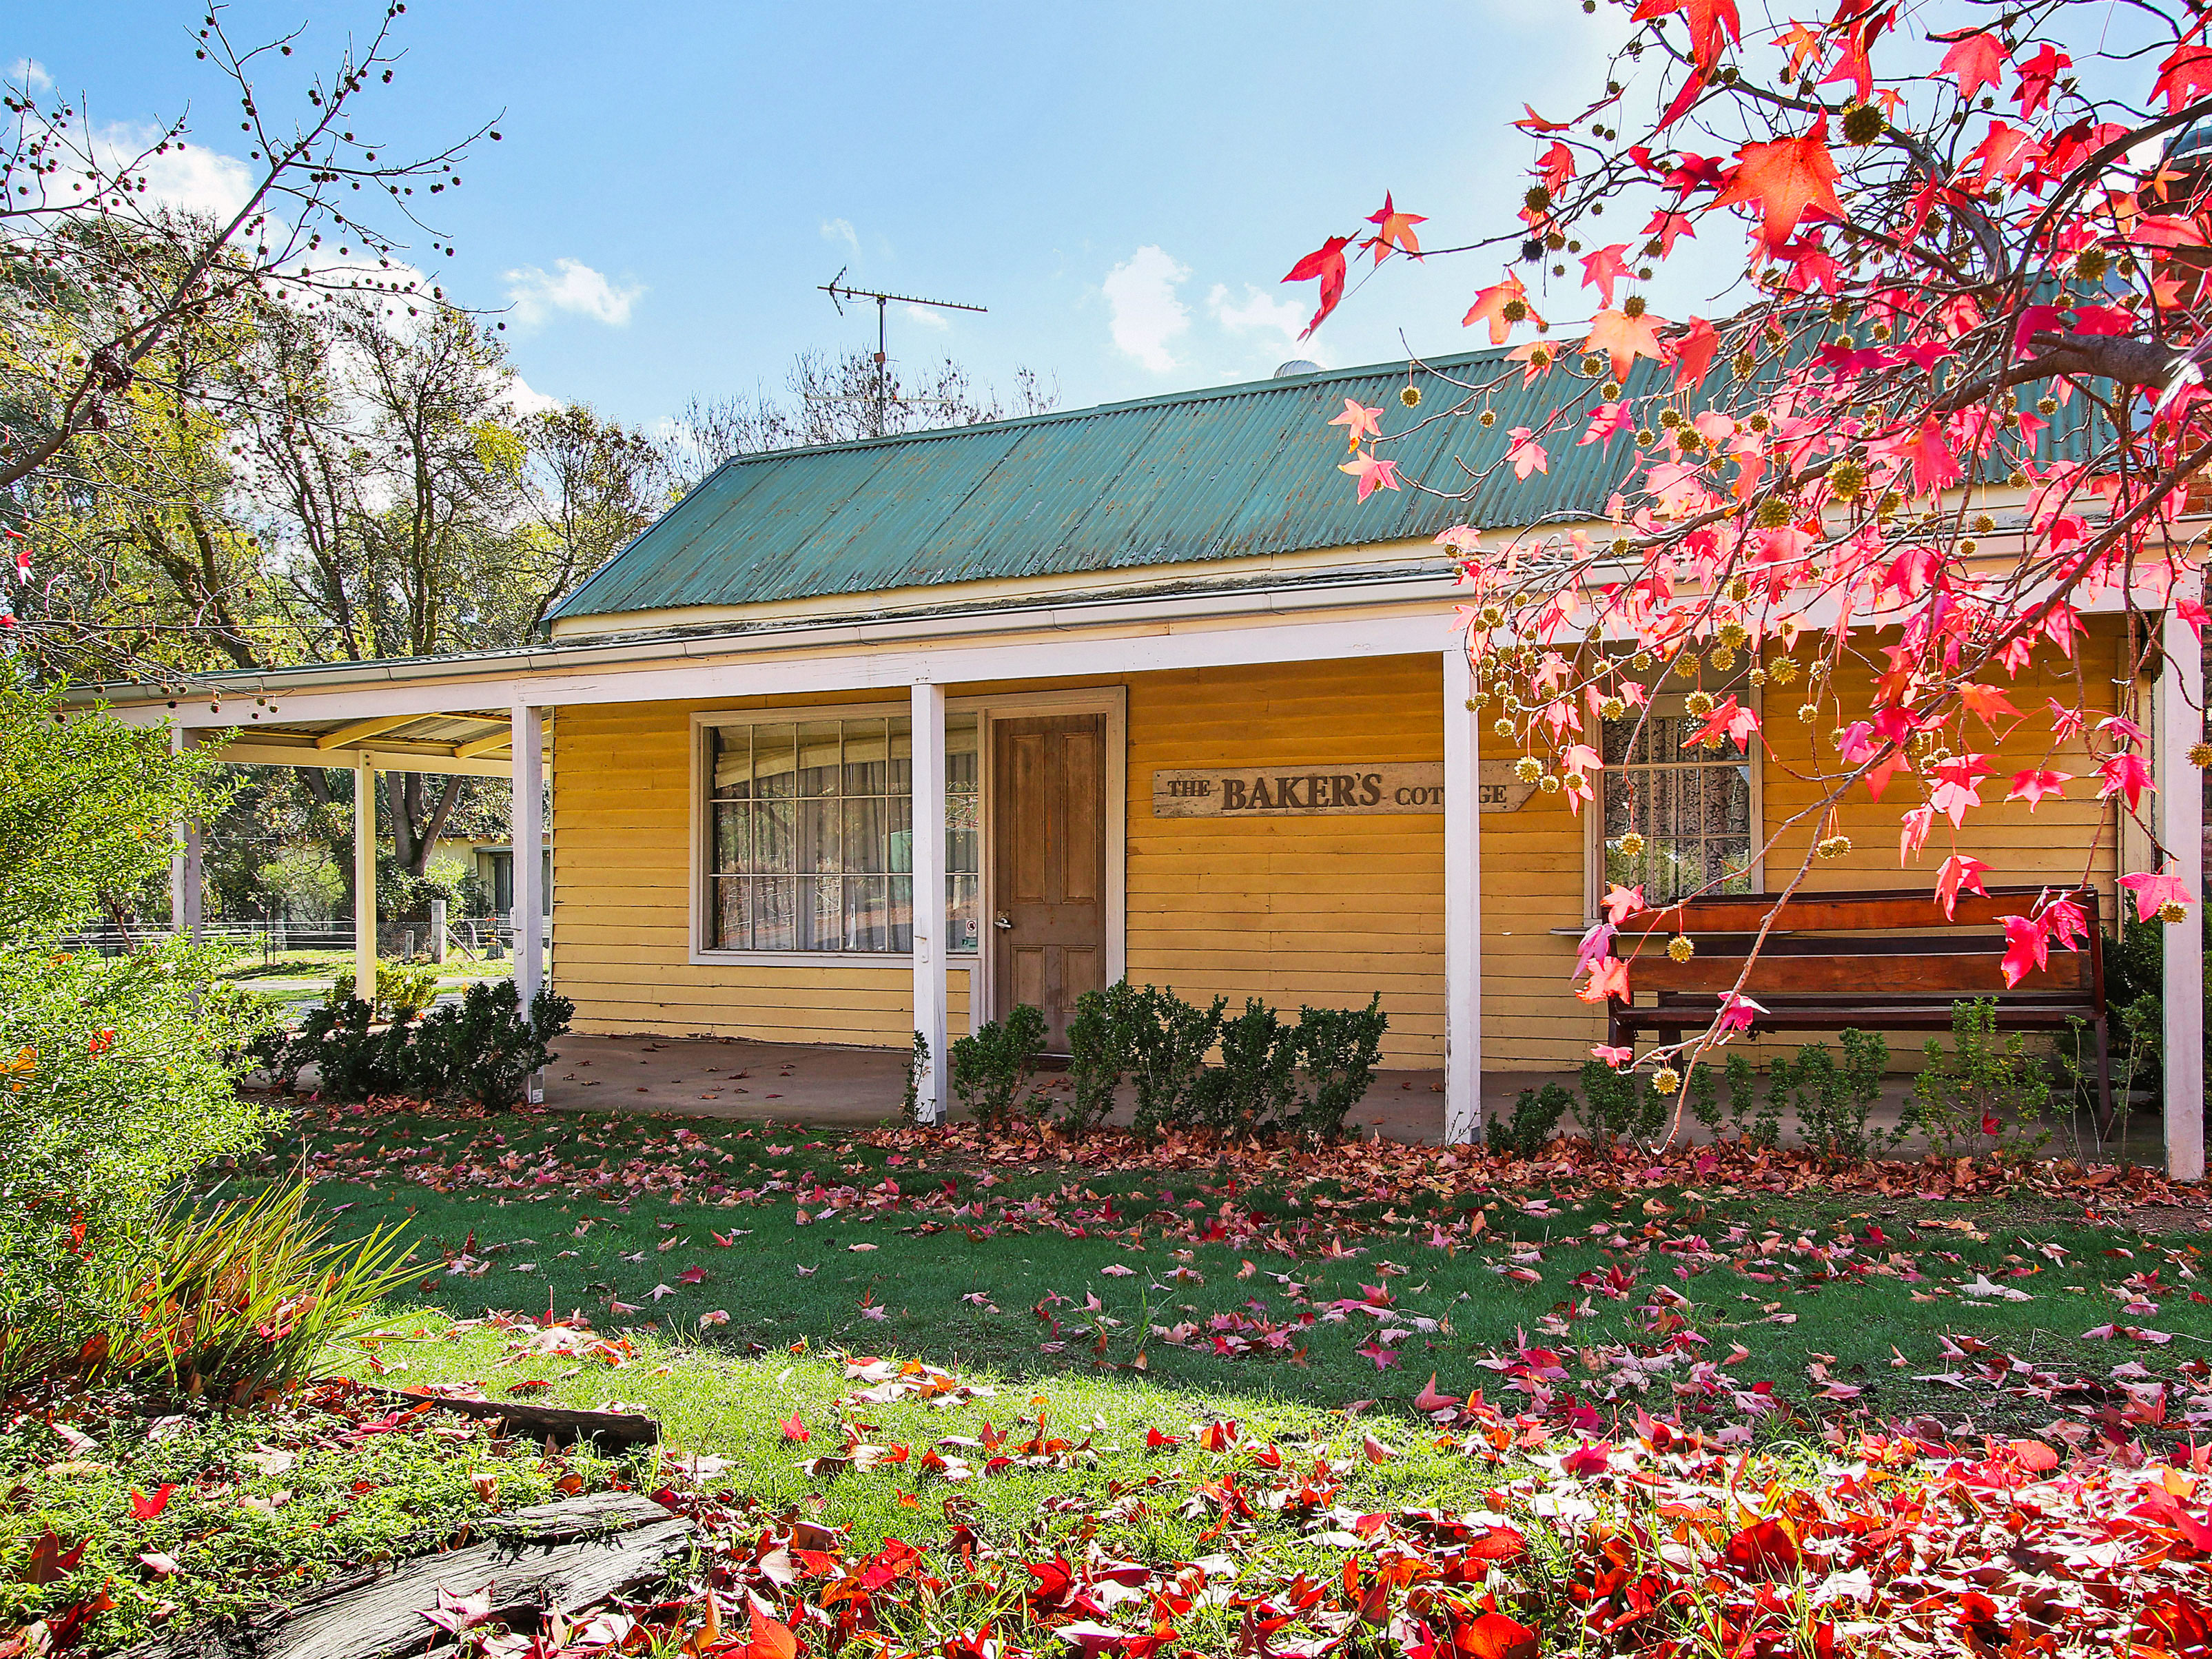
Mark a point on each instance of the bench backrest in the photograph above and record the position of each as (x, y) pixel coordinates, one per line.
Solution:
(1873, 944)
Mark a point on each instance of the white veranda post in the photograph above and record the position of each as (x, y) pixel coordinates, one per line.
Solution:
(364, 878)
(1462, 908)
(528, 817)
(184, 862)
(931, 1096)
(2181, 826)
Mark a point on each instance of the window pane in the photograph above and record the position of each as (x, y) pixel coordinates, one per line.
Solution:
(772, 837)
(899, 911)
(775, 902)
(875, 834)
(868, 758)
(817, 852)
(773, 763)
(899, 780)
(818, 758)
(821, 913)
(732, 921)
(733, 838)
(733, 762)
(961, 931)
(866, 923)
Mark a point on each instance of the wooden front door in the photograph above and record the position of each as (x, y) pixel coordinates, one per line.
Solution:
(1048, 865)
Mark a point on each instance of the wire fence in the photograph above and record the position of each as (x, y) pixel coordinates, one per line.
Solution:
(477, 936)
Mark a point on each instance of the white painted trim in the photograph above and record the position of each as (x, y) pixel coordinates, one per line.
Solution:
(1040, 648)
(1668, 704)
(2181, 827)
(1462, 853)
(247, 753)
(364, 878)
(527, 814)
(185, 884)
(928, 887)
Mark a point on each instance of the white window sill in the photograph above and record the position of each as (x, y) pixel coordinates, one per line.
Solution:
(969, 959)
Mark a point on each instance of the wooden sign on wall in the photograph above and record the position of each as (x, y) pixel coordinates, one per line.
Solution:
(1334, 790)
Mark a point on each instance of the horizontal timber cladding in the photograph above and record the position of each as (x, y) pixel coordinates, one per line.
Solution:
(1324, 908)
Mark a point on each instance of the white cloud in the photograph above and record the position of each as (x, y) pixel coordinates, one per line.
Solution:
(526, 399)
(1147, 314)
(190, 177)
(1258, 312)
(29, 72)
(927, 318)
(841, 230)
(573, 286)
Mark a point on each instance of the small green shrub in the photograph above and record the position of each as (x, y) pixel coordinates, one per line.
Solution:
(1535, 1120)
(991, 1067)
(482, 1050)
(1608, 1107)
(1982, 1090)
(1831, 1102)
(1338, 1049)
(1169, 1067)
(238, 1297)
(1104, 1041)
(403, 988)
(1253, 1090)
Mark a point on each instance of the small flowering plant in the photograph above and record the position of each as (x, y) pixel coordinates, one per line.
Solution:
(1955, 418)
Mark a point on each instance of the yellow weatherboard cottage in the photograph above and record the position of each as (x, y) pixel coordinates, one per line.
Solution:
(889, 737)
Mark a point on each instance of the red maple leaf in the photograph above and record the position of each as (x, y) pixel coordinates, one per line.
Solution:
(1603, 269)
(1489, 304)
(1667, 227)
(1533, 122)
(1327, 263)
(2028, 947)
(1396, 231)
(2033, 785)
(1959, 874)
(2038, 76)
(1975, 61)
(145, 1508)
(1710, 21)
(1495, 1636)
(1784, 177)
(1693, 352)
(2185, 76)
(1624, 338)
(770, 1640)
(1934, 465)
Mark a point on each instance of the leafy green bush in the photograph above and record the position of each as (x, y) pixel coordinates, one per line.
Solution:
(238, 1297)
(991, 1066)
(1535, 1120)
(403, 988)
(482, 1049)
(1980, 1090)
(1832, 1102)
(1256, 1087)
(917, 1062)
(1104, 1039)
(1338, 1049)
(117, 1082)
(1169, 1071)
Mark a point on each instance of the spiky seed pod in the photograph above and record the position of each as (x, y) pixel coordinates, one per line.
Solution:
(2200, 755)
(1834, 846)
(1527, 768)
(1807, 713)
(1631, 845)
(1666, 1080)
(1784, 671)
(1641, 662)
(1756, 678)
(1863, 125)
(1632, 306)
(2173, 911)
(1410, 396)
(1680, 949)
(1846, 479)
(1774, 513)
(1721, 659)
(1700, 704)
(1502, 728)
(1613, 708)
(1549, 783)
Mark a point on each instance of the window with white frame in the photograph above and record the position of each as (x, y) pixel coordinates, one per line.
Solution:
(1675, 818)
(810, 834)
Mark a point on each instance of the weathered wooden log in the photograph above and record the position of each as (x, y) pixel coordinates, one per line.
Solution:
(612, 1431)
(567, 1554)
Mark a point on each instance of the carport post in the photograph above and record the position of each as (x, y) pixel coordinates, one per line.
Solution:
(1462, 907)
(364, 878)
(2181, 812)
(931, 1096)
(528, 816)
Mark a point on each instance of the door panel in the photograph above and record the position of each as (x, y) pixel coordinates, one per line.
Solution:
(1048, 830)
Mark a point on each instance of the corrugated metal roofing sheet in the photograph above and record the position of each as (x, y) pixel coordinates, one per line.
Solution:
(1224, 473)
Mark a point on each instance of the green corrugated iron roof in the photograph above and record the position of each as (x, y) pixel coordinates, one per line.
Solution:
(1228, 472)
(1223, 473)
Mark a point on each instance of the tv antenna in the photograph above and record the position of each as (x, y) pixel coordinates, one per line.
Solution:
(840, 290)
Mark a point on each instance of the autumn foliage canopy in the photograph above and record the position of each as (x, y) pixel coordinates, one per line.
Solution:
(1951, 408)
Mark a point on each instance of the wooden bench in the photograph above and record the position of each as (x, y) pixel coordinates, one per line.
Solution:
(1887, 961)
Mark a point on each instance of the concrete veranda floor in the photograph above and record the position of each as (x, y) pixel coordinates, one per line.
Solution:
(743, 1081)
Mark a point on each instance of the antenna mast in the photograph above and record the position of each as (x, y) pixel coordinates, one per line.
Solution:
(840, 290)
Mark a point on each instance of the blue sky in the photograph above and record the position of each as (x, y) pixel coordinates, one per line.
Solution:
(1122, 184)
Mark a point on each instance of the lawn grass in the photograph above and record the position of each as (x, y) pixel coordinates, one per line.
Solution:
(1837, 1304)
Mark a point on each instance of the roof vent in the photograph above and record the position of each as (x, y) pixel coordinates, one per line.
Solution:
(1296, 366)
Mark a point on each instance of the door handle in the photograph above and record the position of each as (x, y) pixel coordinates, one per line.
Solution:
(1001, 921)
